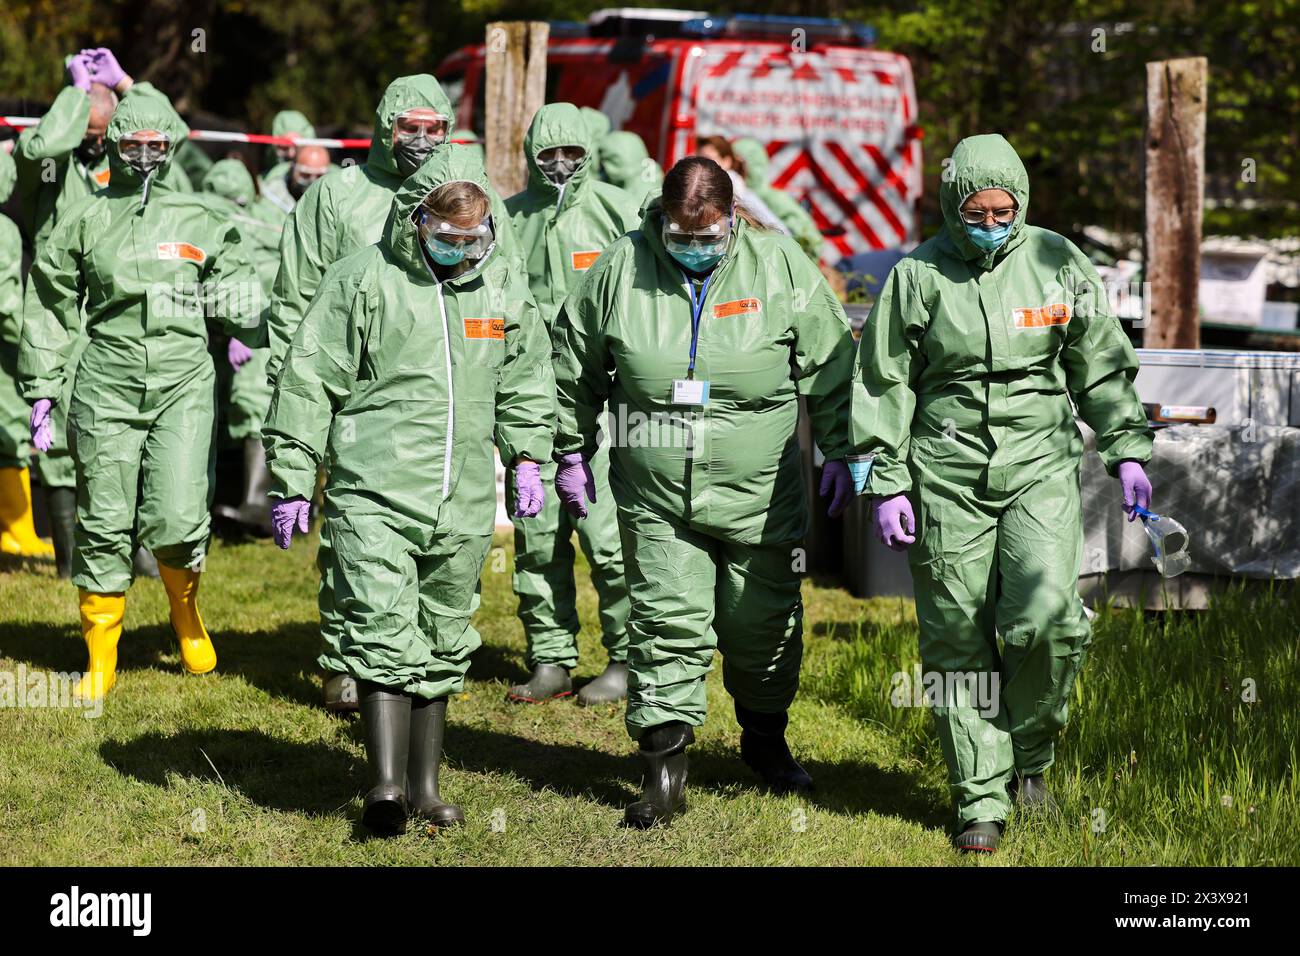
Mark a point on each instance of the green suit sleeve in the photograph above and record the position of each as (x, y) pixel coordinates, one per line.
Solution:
(60, 130)
(233, 290)
(823, 359)
(1100, 366)
(884, 383)
(319, 370)
(52, 312)
(583, 364)
(525, 403)
(306, 251)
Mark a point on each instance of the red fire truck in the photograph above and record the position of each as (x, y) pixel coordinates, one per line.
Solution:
(838, 116)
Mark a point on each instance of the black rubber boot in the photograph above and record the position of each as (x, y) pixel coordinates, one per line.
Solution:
(144, 564)
(663, 749)
(254, 512)
(428, 724)
(61, 503)
(546, 683)
(609, 688)
(1032, 794)
(387, 718)
(340, 693)
(980, 837)
(764, 750)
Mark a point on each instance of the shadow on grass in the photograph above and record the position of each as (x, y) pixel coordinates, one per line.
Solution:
(494, 662)
(282, 661)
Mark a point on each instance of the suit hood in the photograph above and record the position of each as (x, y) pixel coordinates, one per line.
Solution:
(980, 162)
(404, 93)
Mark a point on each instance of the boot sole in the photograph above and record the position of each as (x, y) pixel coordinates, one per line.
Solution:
(520, 699)
(651, 823)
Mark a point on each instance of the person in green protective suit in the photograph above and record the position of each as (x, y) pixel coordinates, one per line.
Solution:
(415, 354)
(786, 208)
(17, 529)
(147, 263)
(282, 193)
(60, 161)
(338, 215)
(626, 164)
(699, 333)
(563, 221)
(280, 158)
(980, 340)
(249, 394)
(598, 126)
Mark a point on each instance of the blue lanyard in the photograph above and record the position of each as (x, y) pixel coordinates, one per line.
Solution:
(697, 308)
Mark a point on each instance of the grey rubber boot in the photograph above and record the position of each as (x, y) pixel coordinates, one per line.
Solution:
(764, 750)
(428, 727)
(61, 503)
(609, 688)
(144, 563)
(980, 837)
(254, 512)
(1032, 794)
(663, 749)
(546, 683)
(386, 715)
(340, 694)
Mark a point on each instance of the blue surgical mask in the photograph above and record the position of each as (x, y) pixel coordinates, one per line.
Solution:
(697, 260)
(444, 253)
(988, 239)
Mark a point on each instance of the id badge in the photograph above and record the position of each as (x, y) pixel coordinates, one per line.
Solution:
(690, 391)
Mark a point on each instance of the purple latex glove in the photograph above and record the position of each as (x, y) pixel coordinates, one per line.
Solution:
(895, 523)
(237, 353)
(836, 478)
(79, 72)
(288, 514)
(529, 493)
(104, 67)
(1136, 487)
(42, 427)
(573, 479)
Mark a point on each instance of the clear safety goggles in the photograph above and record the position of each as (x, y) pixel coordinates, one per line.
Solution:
(559, 163)
(306, 175)
(418, 123)
(708, 239)
(144, 148)
(1168, 542)
(974, 217)
(473, 243)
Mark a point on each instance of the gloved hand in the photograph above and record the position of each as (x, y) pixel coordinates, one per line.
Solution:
(237, 353)
(1136, 487)
(836, 477)
(79, 72)
(529, 493)
(895, 523)
(104, 67)
(287, 514)
(41, 426)
(573, 479)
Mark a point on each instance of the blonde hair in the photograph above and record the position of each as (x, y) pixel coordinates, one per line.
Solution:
(462, 203)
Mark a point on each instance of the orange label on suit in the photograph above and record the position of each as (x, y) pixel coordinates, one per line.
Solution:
(582, 261)
(485, 328)
(181, 250)
(1040, 317)
(101, 177)
(737, 307)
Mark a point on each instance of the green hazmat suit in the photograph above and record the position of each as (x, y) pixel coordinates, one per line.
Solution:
(399, 382)
(597, 127)
(784, 206)
(626, 164)
(285, 123)
(711, 502)
(142, 408)
(260, 228)
(968, 365)
(341, 213)
(14, 413)
(561, 232)
(52, 179)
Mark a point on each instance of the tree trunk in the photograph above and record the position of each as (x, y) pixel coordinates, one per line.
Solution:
(516, 89)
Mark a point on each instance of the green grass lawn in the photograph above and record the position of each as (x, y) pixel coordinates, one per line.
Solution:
(1163, 762)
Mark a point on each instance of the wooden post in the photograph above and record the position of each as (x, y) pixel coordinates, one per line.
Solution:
(516, 89)
(1175, 189)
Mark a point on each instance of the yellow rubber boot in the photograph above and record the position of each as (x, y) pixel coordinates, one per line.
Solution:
(197, 653)
(17, 532)
(101, 623)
